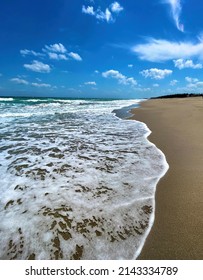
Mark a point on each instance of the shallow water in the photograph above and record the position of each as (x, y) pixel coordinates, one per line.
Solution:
(76, 181)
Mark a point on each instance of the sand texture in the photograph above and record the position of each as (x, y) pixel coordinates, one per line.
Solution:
(177, 130)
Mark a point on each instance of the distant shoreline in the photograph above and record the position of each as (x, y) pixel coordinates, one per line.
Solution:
(181, 95)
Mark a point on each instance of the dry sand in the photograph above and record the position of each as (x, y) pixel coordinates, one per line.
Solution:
(177, 130)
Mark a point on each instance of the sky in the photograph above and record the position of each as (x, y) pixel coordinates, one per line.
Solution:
(101, 49)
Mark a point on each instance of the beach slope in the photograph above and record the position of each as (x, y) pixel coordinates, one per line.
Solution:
(177, 130)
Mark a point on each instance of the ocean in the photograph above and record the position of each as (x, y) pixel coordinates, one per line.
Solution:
(78, 179)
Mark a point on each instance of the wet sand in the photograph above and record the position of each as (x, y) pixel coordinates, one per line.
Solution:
(177, 130)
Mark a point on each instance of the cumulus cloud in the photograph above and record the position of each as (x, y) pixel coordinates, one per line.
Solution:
(195, 85)
(30, 52)
(57, 56)
(155, 85)
(56, 52)
(24, 82)
(89, 10)
(199, 84)
(191, 80)
(59, 52)
(58, 48)
(122, 79)
(162, 50)
(176, 9)
(173, 82)
(156, 74)
(116, 7)
(104, 15)
(181, 64)
(99, 14)
(130, 65)
(75, 56)
(91, 83)
(107, 15)
(38, 66)
(41, 85)
(19, 81)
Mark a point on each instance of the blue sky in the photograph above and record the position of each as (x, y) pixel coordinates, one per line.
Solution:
(93, 48)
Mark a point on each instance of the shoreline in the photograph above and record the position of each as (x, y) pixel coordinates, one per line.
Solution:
(177, 131)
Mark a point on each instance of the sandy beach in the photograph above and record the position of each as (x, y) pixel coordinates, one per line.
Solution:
(176, 126)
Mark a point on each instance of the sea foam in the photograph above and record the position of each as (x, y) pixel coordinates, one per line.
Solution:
(76, 181)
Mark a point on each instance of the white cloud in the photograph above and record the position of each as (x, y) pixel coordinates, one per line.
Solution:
(91, 83)
(155, 85)
(143, 89)
(53, 55)
(162, 50)
(57, 56)
(55, 52)
(58, 48)
(116, 7)
(38, 66)
(107, 15)
(75, 56)
(173, 82)
(24, 82)
(19, 81)
(181, 64)
(30, 52)
(193, 83)
(130, 81)
(130, 65)
(89, 10)
(113, 74)
(176, 9)
(199, 84)
(191, 80)
(41, 85)
(156, 74)
(122, 79)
